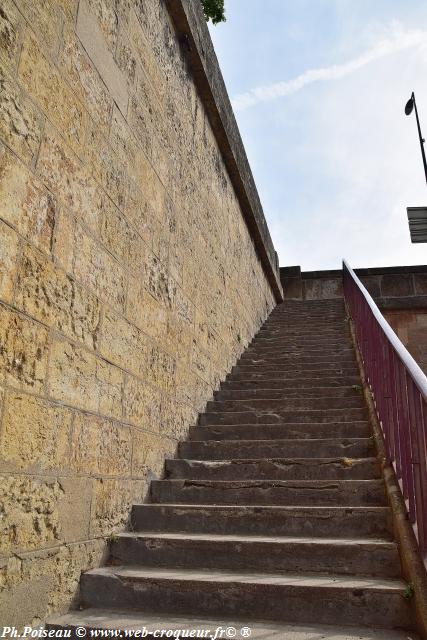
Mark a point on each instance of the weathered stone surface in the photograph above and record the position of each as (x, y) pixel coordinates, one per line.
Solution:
(148, 453)
(82, 380)
(45, 20)
(84, 79)
(125, 345)
(20, 121)
(96, 269)
(64, 241)
(64, 174)
(397, 285)
(142, 404)
(26, 204)
(111, 503)
(45, 581)
(35, 435)
(30, 512)
(46, 86)
(49, 295)
(97, 43)
(23, 351)
(122, 240)
(10, 24)
(9, 242)
(100, 446)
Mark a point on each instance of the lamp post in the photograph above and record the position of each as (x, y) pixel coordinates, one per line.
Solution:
(410, 106)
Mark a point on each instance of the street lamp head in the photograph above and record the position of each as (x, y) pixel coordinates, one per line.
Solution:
(409, 106)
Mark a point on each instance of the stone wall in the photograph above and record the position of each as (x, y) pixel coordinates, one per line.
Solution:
(411, 328)
(129, 279)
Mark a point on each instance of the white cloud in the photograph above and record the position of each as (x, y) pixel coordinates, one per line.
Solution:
(396, 39)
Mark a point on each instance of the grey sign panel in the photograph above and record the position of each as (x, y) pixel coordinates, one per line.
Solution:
(417, 217)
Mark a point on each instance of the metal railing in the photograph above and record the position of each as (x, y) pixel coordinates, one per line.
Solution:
(399, 390)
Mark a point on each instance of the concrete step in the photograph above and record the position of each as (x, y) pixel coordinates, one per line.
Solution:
(257, 553)
(302, 404)
(282, 431)
(321, 522)
(274, 469)
(307, 598)
(280, 382)
(248, 392)
(295, 376)
(279, 415)
(271, 492)
(297, 365)
(297, 358)
(296, 351)
(295, 448)
(131, 624)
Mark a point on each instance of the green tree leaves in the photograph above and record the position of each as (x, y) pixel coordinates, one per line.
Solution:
(214, 10)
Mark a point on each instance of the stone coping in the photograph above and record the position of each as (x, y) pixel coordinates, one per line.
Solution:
(189, 22)
(295, 271)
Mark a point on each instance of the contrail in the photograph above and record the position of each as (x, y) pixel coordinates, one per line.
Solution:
(398, 41)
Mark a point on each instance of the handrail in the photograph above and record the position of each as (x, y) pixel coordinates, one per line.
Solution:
(399, 390)
(414, 369)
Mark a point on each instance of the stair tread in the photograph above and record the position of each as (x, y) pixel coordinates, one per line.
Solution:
(260, 630)
(301, 540)
(323, 580)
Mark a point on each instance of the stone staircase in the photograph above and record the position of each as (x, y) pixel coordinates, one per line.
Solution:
(274, 516)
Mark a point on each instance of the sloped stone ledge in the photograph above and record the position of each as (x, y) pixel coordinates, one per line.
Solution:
(187, 17)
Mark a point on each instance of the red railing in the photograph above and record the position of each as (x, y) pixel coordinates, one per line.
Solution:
(399, 390)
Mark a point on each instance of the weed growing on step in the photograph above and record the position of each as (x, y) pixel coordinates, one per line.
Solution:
(409, 591)
(113, 538)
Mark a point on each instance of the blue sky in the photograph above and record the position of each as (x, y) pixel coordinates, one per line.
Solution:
(319, 88)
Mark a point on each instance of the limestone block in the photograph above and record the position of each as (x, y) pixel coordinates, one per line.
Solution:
(63, 173)
(77, 377)
(146, 312)
(74, 505)
(125, 345)
(158, 281)
(44, 83)
(35, 434)
(42, 582)
(84, 79)
(98, 37)
(23, 351)
(99, 271)
(201, 362)
(122, 240)
(107, 19)
(10, 25)
(112, 501)
(106, 167)
(53, 297)
(160, 368)
(20, 120)
(30, 512)
(137, 211)
(9, 243)
(397, 285)
(142, 404)
(144, 52)
(126, 59)
(420, 281)
(64, 241)
(149, 452)
(26, 204)
(45, 19)
(93, 440)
